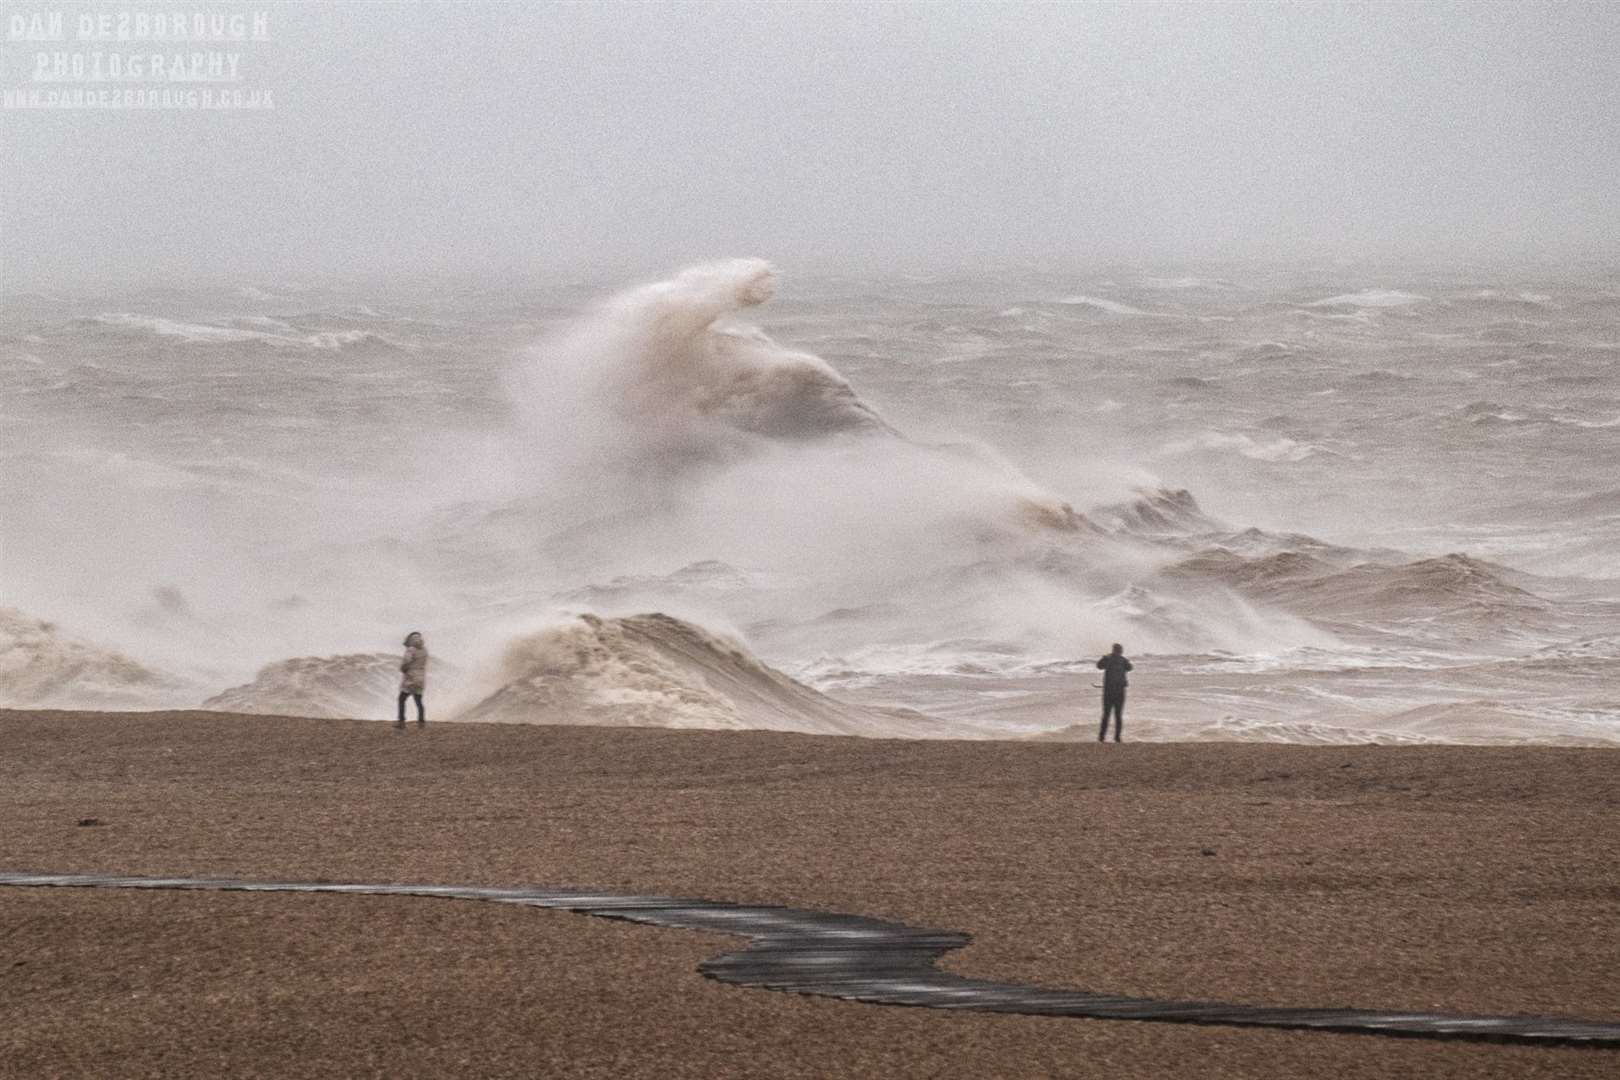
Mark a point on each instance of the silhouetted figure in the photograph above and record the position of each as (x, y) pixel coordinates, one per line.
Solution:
(413, 678)
(1114, 666)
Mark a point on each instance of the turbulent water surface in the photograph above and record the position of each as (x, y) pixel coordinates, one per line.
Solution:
(1316, 504)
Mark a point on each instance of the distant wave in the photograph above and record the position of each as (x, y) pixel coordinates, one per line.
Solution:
(1382, 377)
(1185, 283)
(1273, 351)
(1601, 651)
(1459, 598)
(200, 332)
(707, 577)
(205, 333)
(340, 339)
(1487, 412)
(1602, 504)
(1573, 421)
(1370, 298)
(1522, 297)
(958, 658)
(1452, 577)
(137, 473)
(1512, 417)
(1279, 449)
(1113, 307)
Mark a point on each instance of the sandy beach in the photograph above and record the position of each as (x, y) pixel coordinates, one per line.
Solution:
(1448, 878)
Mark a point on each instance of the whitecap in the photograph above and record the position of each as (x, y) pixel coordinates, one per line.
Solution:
(1374, 298)
(1113, 307)
(199, 332)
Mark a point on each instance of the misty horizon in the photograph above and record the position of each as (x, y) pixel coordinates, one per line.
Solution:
(617, 142)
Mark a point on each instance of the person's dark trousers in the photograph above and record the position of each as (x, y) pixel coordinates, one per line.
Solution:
(1112, 701)
(421, 717)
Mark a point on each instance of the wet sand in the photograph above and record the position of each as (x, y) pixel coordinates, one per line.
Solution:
(1434, 878)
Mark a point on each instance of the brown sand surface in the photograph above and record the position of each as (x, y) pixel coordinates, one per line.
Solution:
(1431, 878)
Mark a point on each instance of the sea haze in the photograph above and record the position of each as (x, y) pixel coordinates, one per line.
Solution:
(1316, 504)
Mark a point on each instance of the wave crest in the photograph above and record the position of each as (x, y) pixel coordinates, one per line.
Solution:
(654, 670)
(353, 685)
(42, 667)
(657, 378)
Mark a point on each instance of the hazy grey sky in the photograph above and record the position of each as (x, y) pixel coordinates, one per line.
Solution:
(543, 138)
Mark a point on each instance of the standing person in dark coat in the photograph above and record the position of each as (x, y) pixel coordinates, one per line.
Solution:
(1114, 666)
(413, 677)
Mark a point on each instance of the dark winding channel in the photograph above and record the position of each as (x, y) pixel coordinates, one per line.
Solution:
(861, 959)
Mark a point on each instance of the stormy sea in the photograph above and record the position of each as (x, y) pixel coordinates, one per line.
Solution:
(1333, 504)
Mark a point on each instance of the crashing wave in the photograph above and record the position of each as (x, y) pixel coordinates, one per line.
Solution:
(658, 671)
(660, 381)
(663, 433)
(678, 379)
(353, 685)
(41, 667)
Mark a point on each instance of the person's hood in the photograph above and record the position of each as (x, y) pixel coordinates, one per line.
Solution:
(414, 638)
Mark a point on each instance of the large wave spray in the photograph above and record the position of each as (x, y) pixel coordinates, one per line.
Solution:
(650, 509)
